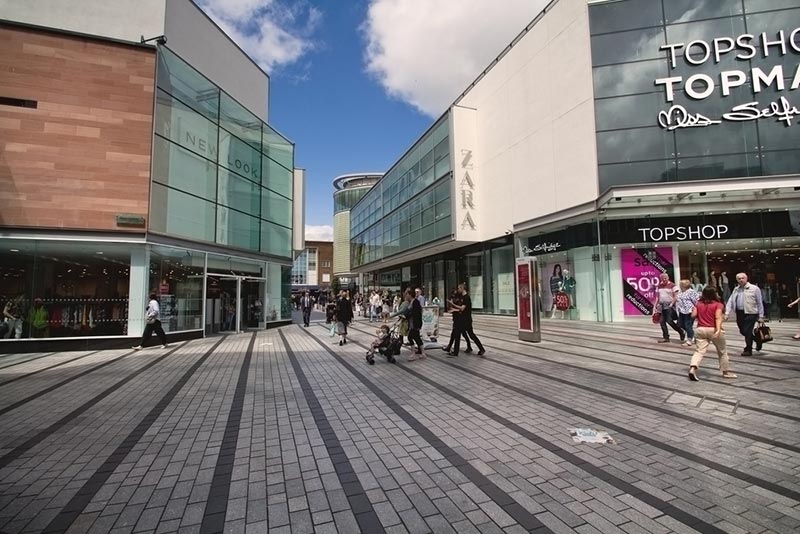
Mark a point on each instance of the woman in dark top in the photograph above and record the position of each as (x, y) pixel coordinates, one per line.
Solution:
(466, 311)
(344, 315)
(414, 315)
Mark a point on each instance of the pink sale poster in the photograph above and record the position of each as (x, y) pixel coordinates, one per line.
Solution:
(641, 268)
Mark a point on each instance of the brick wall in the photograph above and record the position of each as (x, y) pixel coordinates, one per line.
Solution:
(82, 156)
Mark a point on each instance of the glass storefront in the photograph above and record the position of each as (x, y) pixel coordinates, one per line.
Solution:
(69, 289)
(606, 268)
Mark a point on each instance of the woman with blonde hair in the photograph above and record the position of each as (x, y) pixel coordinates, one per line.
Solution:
(708, 312)
(685, 300)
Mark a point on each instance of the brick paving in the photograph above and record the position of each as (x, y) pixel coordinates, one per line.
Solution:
(283, 431)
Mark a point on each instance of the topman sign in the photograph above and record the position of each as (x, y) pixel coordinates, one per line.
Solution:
(700, 86)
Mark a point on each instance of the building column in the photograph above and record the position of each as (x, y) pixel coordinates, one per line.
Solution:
(138, 297)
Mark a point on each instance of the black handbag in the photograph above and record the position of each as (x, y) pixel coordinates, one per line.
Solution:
(763, 333)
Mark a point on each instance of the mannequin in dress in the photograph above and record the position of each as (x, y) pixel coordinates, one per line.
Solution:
(569, 287)
(556, 285)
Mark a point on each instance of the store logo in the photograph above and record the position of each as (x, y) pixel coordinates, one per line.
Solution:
(541, 247)
(467, 190)
(700, 86)
(683, 233)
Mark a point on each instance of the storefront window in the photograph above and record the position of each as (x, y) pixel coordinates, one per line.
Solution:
(57, 289)
(176, 276)
(503, 288)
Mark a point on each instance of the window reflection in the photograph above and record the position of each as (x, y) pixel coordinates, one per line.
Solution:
(689, 10)
(627, 46)
(625, 15)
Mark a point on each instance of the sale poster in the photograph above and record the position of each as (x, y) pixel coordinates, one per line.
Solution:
(641, 268)
(524, 308)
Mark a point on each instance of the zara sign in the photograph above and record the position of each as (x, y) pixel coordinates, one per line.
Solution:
(700, 86)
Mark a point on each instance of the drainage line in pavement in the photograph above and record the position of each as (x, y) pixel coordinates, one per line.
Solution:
(650, 384)
(771, 486)
(47, 390)
(84, 496)
(598, 472)
(19, 450)
(217, 504)
(47, 368)
(28, 360)
(526, 519)
(362, 508)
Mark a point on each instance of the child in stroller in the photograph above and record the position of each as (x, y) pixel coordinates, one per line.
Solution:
(387, 342)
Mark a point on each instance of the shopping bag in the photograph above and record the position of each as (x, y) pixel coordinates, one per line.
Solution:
(333, 330)
(763, 333)
(656, 317)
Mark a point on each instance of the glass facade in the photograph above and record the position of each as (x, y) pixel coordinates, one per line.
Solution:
(665, 83)
(345, 199)
(410, 205)
(220, 174)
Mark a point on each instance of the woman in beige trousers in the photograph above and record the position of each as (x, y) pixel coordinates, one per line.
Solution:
(708, 312)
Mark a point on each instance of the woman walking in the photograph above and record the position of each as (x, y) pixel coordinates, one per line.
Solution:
(153, 319)
(414, 315)
(684, 302)
(466, 318)
(708, 312)
(665, 304)
(795, 303)
(344, 315)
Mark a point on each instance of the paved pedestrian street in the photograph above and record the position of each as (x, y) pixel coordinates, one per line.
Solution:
(284, 431)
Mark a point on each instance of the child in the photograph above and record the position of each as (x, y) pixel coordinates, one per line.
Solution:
(382, 335)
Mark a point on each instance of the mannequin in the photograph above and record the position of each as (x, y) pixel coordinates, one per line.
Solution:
(569, 287)
(726, 287)
(696, 283)
(556, 286)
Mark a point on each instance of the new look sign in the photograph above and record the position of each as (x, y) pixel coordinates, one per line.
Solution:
(745, 47)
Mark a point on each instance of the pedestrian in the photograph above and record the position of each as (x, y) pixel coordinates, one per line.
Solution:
(306, 305)
(414, 315)
(684, 303)
(344, 315)
(153, 320)
(374, 306)
(666, 295)
(795, 303)
(466, 310)
(420, 297)
(454, 306)
(708, 312)
(402, 326)
(745, 301)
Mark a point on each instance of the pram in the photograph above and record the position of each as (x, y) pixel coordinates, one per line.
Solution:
(389, 347)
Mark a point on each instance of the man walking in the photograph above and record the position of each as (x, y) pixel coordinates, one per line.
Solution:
(466, 318)
(305, 304)
(420, 297)
(746, 302)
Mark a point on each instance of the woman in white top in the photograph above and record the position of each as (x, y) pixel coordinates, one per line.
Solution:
(153, 321)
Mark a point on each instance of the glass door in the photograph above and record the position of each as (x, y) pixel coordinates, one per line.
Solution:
(223, 305)
(253, 302)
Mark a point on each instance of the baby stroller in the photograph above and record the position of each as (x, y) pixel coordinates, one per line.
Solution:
(389, 347)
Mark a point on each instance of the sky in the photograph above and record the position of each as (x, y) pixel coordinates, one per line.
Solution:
(354, 83)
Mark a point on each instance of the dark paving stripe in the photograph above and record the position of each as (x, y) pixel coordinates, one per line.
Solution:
(780, 490)
(26, 361)
(720, 382)
(526, 519)
(62, 383)
(44, 434)
(84, 496)
(47, 368)
(217, 504)
(606, 393)
(617, 376)
(362, 508)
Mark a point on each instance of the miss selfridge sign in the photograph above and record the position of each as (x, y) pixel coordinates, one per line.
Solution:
(701, 86)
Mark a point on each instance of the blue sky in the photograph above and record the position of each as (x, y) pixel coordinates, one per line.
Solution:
(355, 82)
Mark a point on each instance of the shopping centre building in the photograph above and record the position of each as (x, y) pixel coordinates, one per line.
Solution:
(348, 190)
(614, 140)
(137, 158)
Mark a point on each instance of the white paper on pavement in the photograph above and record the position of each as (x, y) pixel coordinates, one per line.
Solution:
(590, 435)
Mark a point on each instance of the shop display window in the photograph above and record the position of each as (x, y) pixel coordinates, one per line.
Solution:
(52, 289)
(176, 276)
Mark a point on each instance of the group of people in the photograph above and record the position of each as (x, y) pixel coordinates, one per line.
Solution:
(684, 303)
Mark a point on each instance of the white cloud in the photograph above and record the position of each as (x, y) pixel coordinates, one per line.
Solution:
(322, 232)
(426, 53)
(274, 33)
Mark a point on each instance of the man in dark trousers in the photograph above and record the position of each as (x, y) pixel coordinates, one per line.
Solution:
(466, 310)
(344, 316)
(306, 304)
(414, 315)
(454, 304)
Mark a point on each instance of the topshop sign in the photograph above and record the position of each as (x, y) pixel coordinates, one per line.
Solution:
(700, 86)
(682, 233)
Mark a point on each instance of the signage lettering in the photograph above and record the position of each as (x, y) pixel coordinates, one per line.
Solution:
(700, 86)
(541, 247)
(467, 189)
(683, 233)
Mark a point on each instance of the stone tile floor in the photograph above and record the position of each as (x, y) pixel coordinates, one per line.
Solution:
(285, 431)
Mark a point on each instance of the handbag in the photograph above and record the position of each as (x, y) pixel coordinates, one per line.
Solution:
(151, 320)
(333, 330)
(656, 317)
(763, 333)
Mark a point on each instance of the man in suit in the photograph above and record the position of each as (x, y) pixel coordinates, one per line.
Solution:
(306, 304)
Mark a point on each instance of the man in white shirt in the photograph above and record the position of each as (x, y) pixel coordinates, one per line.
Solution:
(746, 302)
(420, 297)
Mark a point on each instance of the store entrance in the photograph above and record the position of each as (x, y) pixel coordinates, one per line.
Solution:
(234, 303)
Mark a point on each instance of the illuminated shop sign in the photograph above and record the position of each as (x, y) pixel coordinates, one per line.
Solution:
(683, 233)
(700, 86)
